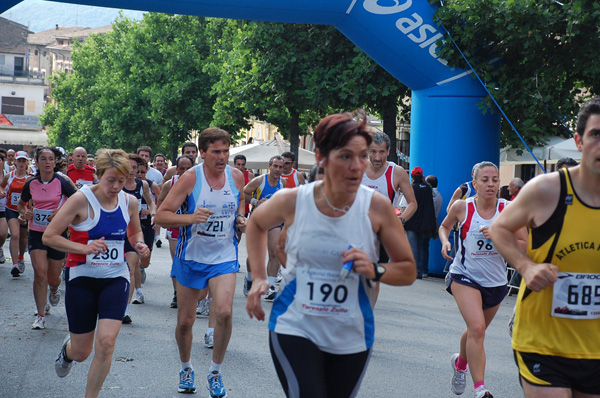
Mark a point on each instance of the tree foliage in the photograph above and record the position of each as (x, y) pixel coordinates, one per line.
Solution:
(141, 84)
(153, 82)
(537, 57)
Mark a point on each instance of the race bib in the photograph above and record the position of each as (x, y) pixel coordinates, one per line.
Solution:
(113, 256)
(478, 246)
(143, 207)
(322, 292)
(41, 217)
(576, 296)
(81, 183)
(217, 226)
(14, 198)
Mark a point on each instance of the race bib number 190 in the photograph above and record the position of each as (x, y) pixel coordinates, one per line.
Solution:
(323, 293)
(576, 296)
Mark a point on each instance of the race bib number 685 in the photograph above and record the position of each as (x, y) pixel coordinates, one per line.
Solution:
(576, 296)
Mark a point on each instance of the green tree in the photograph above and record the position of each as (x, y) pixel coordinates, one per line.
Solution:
(537, 57)
(290, 75)
(140, 84)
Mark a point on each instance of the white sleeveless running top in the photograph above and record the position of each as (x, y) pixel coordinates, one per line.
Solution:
(476, 257)
(313, 301)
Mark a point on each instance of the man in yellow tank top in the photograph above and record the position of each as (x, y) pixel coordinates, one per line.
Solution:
(556, 336)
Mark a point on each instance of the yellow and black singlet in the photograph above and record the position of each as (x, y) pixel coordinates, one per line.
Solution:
(564, 319)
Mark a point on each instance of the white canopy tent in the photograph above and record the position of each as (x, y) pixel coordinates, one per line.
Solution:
(564, 149)
(258, 154)
(548, 152)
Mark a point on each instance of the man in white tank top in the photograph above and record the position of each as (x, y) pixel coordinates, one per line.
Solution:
(206, 253)
(389, 182)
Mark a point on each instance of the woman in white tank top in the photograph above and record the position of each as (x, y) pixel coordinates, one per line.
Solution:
(320, 317)
(477, 277)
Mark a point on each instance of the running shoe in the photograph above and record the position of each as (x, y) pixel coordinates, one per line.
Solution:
(159, 243)
(62, 365)
(174, 301)
(270, 294)
(186, 381)
(247, 286)
(279, 278)
(127, 319)
(15, 271)
(459, 378)
(39, 323)
(143, 276)
(54, 297)
(511, 322)
(215, 385)
(203, 308)
(209, 339)
(2, 258)
(21, 266)
(138, 297)
(47, 308)
(482, 392)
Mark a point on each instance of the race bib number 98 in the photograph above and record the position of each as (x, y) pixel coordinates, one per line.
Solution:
(323, 293)
(576, 296)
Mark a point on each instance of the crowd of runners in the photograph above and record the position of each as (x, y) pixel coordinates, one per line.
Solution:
(319, 245)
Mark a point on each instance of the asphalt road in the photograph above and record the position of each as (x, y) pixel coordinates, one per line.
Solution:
(417, 330)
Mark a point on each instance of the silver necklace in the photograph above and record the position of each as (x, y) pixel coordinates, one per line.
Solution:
(216, 183)
(342, 210)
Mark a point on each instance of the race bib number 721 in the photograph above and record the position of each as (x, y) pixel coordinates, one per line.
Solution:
(576, 296)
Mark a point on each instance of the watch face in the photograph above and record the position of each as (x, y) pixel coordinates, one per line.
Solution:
(380, 269)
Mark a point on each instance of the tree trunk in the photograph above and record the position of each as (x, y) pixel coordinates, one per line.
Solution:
(389, 116)
(295, 132)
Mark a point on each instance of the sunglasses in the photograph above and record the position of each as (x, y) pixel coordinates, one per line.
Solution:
(287, 162)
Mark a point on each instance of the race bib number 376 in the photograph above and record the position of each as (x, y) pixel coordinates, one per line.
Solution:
(576, 296)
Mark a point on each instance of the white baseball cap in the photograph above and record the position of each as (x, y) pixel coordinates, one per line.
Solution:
(21, 155)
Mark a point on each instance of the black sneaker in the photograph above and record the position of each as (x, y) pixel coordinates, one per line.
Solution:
(15, 271)
(127, 319)
(174, 301)
(159, 243)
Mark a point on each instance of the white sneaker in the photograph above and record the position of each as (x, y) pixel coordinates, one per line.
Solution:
(203, 308)
(54, 297)
(61, 365)
(138, 298)
(39, 323)
(47, 309)
(482, 392)
(21, 266)
(209, 339)
(511, 323)
(459, 378)
(270, 294)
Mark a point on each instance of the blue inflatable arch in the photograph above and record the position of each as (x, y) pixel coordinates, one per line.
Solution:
(449, 133)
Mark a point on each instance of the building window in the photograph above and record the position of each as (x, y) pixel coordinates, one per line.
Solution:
(13, 106)
(36, 52)
(44, 53)
(1, 59)
(19, 66)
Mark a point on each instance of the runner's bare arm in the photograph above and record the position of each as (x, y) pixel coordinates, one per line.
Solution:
(530, 208)
(402, 183)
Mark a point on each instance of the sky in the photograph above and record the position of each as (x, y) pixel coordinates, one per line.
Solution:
(41, 15)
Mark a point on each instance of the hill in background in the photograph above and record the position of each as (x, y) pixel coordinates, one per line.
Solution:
(41, 15)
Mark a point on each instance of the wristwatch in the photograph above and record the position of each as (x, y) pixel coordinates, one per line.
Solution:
(403, 220)
(379, 271)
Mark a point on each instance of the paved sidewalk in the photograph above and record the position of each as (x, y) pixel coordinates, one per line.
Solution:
(417, 330)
